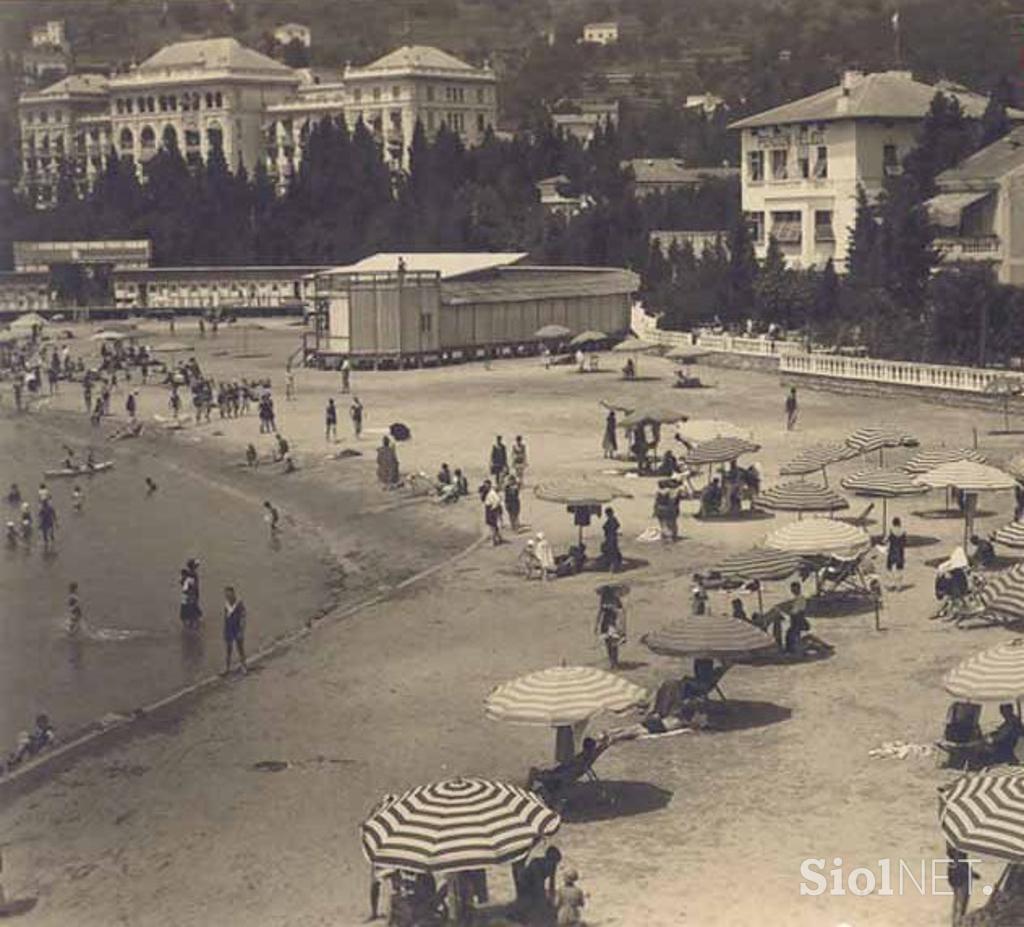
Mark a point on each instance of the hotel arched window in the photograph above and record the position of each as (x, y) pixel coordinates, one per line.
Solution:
(215, 137)
(218, 99)
(195, 101)
(127, 139)
(184, 102)
(150, 105)
(147, 138)
(163, 103)
(170, 137)
(140, 103)
(209, 101)
(119, 105)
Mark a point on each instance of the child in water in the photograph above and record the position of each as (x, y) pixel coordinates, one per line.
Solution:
(75, 624)
(26, 521)
(76, 499)
(12, 534)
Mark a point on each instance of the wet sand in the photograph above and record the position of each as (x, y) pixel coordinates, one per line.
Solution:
(177, 826)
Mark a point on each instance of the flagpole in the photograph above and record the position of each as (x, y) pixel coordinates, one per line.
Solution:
(895, 20)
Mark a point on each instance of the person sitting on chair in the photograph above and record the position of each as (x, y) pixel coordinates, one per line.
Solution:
(1001, 744)
(711, 499)
(984, 554)
(556, 779)
(669, 464)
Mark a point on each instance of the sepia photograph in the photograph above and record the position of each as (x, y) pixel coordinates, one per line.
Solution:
(512, 463)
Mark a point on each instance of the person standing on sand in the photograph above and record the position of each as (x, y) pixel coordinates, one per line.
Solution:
(492, 513)
(519, 461)
(513, 504)
(356, 413)
(234, 629)
(187, 607)
(791, 409)
(610, 439)
(388, 474)
(895, 558)
(499, 461)
(331, 421)
(76, 498)
(346, 376)
(272, 518)
(610, 548)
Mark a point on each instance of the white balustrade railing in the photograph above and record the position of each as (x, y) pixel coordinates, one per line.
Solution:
(902, 373)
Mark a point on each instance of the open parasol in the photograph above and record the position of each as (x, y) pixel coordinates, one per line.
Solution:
(817, 457)
(1003, 594)
(712, 637)
(984, 814)
(661, 413)
(704, 429)
(882, 484)
(926, 460)
(720, 450)
(688, 353)
(878, 437)
(818, 537)
(970, 477)
(587, 339)
(635, 346)
(760, 564)
(801, 496)
(1011, 535)
(994, 675)
(552, 333)
(580, 496)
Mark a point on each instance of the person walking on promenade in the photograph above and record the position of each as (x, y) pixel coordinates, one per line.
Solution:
(610, 440)
(791, 409)
(346, 376)
(234, 629)
(331, 421)
(499, 462)
(519, 461)
(356, 413)
(610, 548)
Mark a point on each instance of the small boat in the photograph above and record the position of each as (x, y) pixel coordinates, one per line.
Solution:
(81, 471)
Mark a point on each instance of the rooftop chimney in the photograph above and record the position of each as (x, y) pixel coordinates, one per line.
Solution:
(850, 80)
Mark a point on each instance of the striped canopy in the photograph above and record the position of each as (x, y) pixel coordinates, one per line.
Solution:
(984, 814)
(562, 695)
(818, 537)
(760, 563)
(720, 450)
(924, 461)
(456, 825)
(887, 483)
(967, 475)
(801, 496)
(662, 413)
(994, 675)
(716, 637)
(633, 345)
(578, 492)
(816, 457)
(1003, 595)
(704, 429)
(1011, 535)
(875, 437)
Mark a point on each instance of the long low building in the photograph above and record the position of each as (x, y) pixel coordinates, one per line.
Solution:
(429, 306)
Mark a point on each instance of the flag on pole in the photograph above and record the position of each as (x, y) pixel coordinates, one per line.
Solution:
(896, 21)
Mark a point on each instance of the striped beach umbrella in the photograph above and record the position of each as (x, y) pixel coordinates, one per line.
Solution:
(994, 675)
(562, 696)
(700, 430)
(818, 537)
(984, 814)
(1011, 535)
(578, 491)
(923, 461)
(720, 450)
(456, 825)
(801, 496)
(660, 413)
(588, 339)
(714, 637)
(760, 563)
(878, 437)
(882, 483)
(968, 476)
(1003, 594)
(817, 457)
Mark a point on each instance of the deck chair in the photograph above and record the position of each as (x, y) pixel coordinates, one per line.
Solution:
(705, 680)
(962, 742)
(552, 783)
(863, 518)
(844, 575)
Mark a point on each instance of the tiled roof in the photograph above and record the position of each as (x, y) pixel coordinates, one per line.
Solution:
(75, 85)
(220, 54)
(990, 163)
(418, 57)
(882, 95)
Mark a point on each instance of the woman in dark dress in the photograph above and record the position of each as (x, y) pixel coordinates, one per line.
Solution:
(610, 441)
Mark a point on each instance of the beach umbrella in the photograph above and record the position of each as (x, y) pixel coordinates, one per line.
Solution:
(970, 477)
(818, 537)
(635, 346)
(552, 333)
(1006, 387)
(661, 413)
(28, 320)
(704, 429)
(817, 457)
(587, 339)
(883, 484)
(924, 461)
(560, 697)
(1003, 594)
(801, 496)
(720, 450)
(109, 336)
(878, 437)
(456, 825)
(688, 353)
(1011, 535)
(580, 496)
(761, 564)
(984, 814)
(994, 675)
(711, 637)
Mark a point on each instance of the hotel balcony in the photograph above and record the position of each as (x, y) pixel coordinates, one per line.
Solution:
(970, 248)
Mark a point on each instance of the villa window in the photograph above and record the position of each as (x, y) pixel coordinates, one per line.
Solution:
(481, 95)
(804, 162)
(890, 161)
(119, 105)
(823, 231)
(218, 99)
(376, 94)
(787, 227)
(481, 122)
(357, 95)
(396, 92)
(170, 137)
(209, 101)
(192, 138)
(755, 166)
(127, 139)
(821, 163)
(780, 163)
(148, 138)
(755, 223)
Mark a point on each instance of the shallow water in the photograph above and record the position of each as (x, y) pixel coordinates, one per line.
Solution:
(125, 550)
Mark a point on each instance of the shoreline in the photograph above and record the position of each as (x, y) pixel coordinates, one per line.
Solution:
(339, 601)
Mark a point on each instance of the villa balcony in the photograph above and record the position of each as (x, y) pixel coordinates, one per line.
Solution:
(970, 248)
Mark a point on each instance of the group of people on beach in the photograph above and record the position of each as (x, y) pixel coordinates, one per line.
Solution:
(20, 532)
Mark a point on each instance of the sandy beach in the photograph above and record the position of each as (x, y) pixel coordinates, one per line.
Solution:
(177, 824)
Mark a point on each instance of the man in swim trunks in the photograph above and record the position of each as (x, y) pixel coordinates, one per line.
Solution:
(234, 628)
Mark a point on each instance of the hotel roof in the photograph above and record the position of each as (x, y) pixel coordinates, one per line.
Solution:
(882, 95)
(213, 54)
(419, 58)
(74, 85)
(990, 163)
